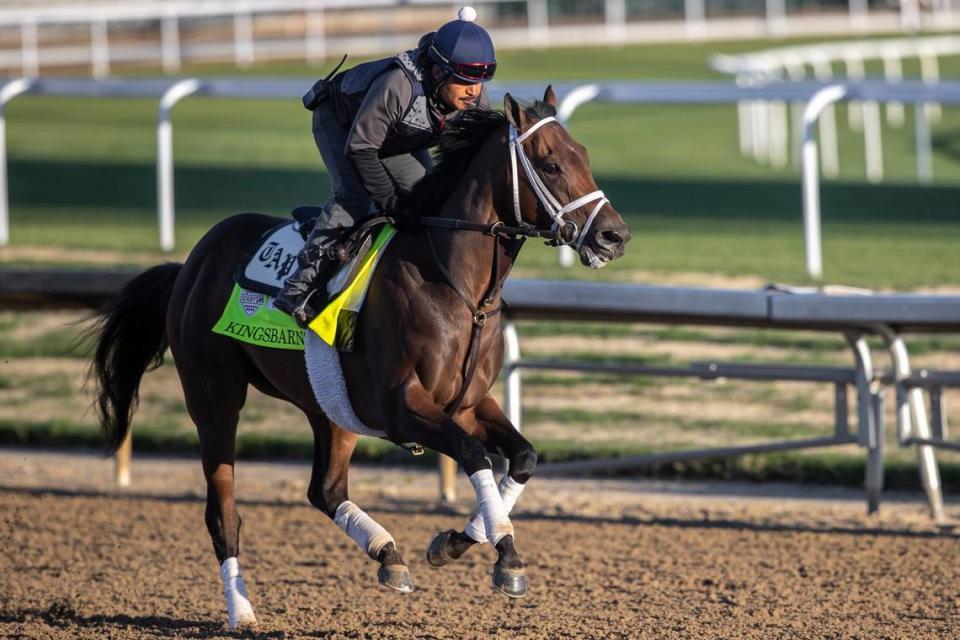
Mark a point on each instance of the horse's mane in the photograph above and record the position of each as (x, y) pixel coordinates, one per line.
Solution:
(458, 146)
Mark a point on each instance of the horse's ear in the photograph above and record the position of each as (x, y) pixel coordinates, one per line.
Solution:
(549, 96)
(516, 114)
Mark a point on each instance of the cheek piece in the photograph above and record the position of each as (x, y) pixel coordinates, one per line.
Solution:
(575, 237)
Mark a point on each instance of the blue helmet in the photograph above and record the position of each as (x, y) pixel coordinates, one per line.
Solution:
(464, 49)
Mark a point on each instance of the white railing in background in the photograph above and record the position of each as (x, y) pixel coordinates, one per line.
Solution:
(816, 96)
(764, 126)
(316, 38)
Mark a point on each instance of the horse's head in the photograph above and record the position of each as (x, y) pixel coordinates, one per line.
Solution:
(552, 185)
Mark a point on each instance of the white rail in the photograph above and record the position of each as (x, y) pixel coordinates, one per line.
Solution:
(614, 26)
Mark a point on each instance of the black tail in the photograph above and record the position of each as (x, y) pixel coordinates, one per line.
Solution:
(131, 338)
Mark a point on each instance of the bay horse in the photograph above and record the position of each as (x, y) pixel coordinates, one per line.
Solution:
(430, 328)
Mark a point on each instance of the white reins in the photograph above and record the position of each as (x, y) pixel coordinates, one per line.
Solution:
(552, 206)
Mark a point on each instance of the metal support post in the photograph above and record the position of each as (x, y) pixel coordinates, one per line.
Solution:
(8, 92)
(170, 43)
(165, 201)
(869, 433)
(938, 414)
(912, 421)
(811, 176)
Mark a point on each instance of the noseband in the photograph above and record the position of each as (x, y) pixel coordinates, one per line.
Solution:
(551, 205)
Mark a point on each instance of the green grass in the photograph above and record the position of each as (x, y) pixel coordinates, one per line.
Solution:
(83, 176)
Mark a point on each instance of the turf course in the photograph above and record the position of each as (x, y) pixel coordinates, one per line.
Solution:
(82, 175)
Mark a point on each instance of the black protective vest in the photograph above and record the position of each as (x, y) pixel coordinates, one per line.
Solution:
(415, 129)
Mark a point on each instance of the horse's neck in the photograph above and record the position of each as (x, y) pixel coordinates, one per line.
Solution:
(469, 255)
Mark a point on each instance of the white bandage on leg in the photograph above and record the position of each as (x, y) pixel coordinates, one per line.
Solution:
(239, 610)
(510, 490)
(365, 531)
(490, 506)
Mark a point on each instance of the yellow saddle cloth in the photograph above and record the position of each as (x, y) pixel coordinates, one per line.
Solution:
(336, 324)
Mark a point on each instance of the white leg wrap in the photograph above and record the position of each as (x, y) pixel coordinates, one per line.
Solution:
(365, 531)
(510, 490)
(239, 611)
(490, 506)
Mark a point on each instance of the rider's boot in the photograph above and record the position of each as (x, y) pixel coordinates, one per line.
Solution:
(313, 264)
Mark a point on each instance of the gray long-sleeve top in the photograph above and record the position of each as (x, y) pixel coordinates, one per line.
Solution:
(378, 131)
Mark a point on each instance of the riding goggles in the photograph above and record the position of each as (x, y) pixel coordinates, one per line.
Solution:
(467, 71)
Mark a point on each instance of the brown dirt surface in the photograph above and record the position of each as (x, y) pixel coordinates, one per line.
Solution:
(605, 559)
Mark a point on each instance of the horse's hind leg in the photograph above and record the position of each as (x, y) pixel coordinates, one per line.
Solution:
(332, 448)
(500, 435)
(215, 389)
(420, 420)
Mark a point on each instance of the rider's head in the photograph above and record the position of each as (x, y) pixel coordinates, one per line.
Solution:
(463, 58)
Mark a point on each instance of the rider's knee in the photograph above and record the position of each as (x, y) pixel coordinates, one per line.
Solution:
(523, 464)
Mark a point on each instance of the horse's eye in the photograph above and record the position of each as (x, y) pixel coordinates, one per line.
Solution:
(552, 169)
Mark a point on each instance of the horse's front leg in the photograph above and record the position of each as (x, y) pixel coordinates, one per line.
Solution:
(501, 435)
(420, 420)
(333, 447)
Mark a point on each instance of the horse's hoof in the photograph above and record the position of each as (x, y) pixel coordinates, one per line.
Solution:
(246, 621)
(437, 555)
(510, 582)
(396, 577)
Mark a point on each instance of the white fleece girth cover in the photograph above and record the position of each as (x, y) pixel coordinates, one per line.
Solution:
(510, 490)
(369, 535)
(329, 387)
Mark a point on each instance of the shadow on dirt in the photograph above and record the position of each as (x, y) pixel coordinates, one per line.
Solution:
(62, 615)
(399, 506)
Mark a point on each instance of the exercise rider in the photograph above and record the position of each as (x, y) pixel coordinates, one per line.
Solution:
(373, 125)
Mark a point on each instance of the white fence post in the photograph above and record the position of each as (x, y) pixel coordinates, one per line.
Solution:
(30, 49)
(316, 36)
(170, 43)
(99, 49)
(859, 15)
(893, 73)
(512, 399)
(695, 19)
(811, 176)
(538, 21)
(923, 145)
(165, 202)
(8, 92)
(615, 19)
(243, 54)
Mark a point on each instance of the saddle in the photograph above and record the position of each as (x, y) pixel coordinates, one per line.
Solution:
(274, 257)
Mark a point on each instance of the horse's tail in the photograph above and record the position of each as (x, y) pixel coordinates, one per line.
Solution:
(131, 338)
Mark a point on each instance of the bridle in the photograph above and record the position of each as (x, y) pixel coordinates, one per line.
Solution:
(562, 232)
(551, 205)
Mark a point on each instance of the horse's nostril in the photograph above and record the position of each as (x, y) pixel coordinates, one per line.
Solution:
(610, 237)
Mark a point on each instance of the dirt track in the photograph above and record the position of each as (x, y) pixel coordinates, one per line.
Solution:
(604, 560)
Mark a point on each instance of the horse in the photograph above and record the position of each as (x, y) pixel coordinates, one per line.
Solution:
(430, 327)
